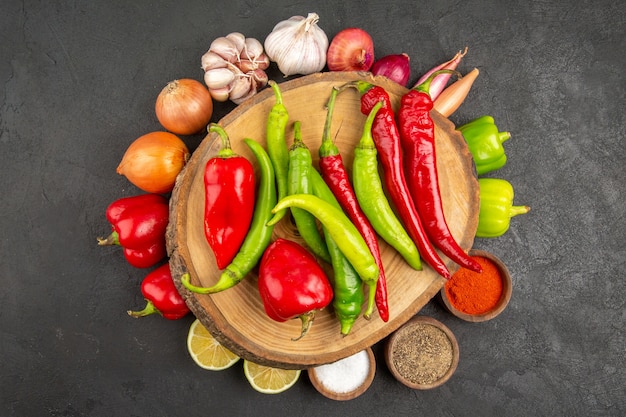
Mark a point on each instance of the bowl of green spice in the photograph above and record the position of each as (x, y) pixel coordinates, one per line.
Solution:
(422, 354)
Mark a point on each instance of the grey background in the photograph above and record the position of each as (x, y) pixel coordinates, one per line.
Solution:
(78, 82)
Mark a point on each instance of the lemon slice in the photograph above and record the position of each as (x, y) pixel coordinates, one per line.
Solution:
(206, 351)
(268, 380)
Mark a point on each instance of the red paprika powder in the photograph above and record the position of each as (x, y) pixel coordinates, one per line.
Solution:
(475, 292)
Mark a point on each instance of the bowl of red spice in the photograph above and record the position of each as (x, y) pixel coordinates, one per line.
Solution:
(422, 354)
(478, 296)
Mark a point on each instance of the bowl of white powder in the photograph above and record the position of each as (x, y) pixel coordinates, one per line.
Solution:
(347, 378)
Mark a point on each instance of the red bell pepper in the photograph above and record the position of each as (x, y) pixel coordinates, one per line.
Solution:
(139, 225)
(292, 284)
(229, 200)
(161, 296)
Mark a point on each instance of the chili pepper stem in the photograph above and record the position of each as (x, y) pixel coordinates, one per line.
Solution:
(278, 95)
(227, 280)
(361, 86)
(185, 280)
(112, 239)
(307, 322)
(515, 210)
(226, 150)
(327, 147)
(148, 310)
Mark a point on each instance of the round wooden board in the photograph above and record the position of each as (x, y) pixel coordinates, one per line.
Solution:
(236, 317)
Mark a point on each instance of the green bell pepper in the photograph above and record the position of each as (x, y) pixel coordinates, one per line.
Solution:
(496, 207)
(485, 143)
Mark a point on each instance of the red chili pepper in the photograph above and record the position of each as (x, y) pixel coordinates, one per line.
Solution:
(229, 200)
(387, 141)
(161, 296)
(417, 134)
(336, 176)
(292, 284)
(139, 225)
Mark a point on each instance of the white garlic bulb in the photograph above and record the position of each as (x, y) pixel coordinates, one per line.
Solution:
(298, 45)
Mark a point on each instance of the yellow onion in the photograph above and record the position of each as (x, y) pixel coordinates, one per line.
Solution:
(184, 106)
(153, 161)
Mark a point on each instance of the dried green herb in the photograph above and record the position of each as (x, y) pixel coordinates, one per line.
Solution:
(422, 354)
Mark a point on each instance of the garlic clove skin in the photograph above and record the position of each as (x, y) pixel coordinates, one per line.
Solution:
(211, 60)
(238, 39)
(240, 87)
(245, 65)
(218, 77)
(225, 48)
(260, 77)
(298, 45)
(262, 62)
(251, 92)
(220, 94)
(253, 48)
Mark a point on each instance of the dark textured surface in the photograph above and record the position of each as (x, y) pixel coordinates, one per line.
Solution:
(78, 83)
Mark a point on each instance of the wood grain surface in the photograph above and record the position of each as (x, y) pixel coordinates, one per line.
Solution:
(236, 317)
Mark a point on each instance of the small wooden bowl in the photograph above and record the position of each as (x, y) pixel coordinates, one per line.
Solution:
(411, 337)
(325, 388)
(507, 289)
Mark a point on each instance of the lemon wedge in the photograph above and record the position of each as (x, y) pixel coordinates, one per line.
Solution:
(206, 351)
(268, 380)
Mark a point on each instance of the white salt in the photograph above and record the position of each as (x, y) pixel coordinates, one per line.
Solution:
(346, 374)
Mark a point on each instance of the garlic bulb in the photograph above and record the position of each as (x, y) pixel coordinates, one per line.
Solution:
(234, 67)
(298, 45)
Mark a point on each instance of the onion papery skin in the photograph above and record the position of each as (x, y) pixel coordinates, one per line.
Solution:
(153, 161)
(396, 67)
(184, 106)
(352, 49)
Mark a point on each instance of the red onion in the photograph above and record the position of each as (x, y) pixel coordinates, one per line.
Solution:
(352, 49)
(396, 67)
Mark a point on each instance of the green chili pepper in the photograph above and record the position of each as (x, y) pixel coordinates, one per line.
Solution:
(299, 182)
(485, 143)
(369, 192)
(341, 229)
(496, 207)
(259, 234)
(276, 143)
(347, 285)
